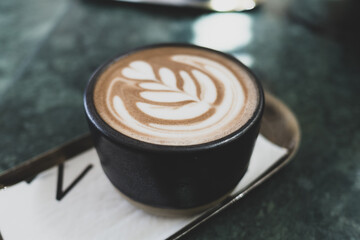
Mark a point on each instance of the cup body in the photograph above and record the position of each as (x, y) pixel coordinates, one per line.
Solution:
(173, 177)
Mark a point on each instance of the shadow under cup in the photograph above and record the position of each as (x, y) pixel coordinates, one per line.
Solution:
(173, 180)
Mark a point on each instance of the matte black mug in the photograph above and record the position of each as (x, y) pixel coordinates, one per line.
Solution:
(173, 179)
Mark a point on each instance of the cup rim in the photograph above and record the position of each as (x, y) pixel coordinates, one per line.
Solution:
(122, 139)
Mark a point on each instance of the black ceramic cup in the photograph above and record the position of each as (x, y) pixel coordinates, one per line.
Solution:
(172, 179)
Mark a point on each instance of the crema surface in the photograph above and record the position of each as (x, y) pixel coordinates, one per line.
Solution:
(175, 95)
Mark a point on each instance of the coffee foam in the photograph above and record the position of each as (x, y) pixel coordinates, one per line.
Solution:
(175, 96)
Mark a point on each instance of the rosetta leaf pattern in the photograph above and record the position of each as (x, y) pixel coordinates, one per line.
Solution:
(159, 92)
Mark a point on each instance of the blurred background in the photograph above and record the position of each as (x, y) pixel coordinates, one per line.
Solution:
(305, 52)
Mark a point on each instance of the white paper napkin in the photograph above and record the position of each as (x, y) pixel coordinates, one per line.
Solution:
(93, 209)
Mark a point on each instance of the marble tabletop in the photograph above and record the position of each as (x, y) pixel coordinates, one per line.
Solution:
(307, 53)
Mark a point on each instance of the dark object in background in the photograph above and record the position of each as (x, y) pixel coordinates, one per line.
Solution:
(339, 18)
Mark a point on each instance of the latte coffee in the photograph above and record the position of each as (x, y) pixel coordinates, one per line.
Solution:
(174, 125)
(175, 95)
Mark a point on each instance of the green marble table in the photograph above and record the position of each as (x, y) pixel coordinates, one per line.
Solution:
(305, 52)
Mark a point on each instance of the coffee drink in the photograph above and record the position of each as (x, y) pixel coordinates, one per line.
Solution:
(175, 95)
(174, 125)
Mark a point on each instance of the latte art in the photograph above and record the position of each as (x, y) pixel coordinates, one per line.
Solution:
(175, 96)
(162, 99)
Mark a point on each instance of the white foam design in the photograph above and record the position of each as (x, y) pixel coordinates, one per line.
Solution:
(139, 70)
(168, 77)
(165, 96)
(153, 86)
(189, 85)
(188, 111)
(208, 89)
(159, 96)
